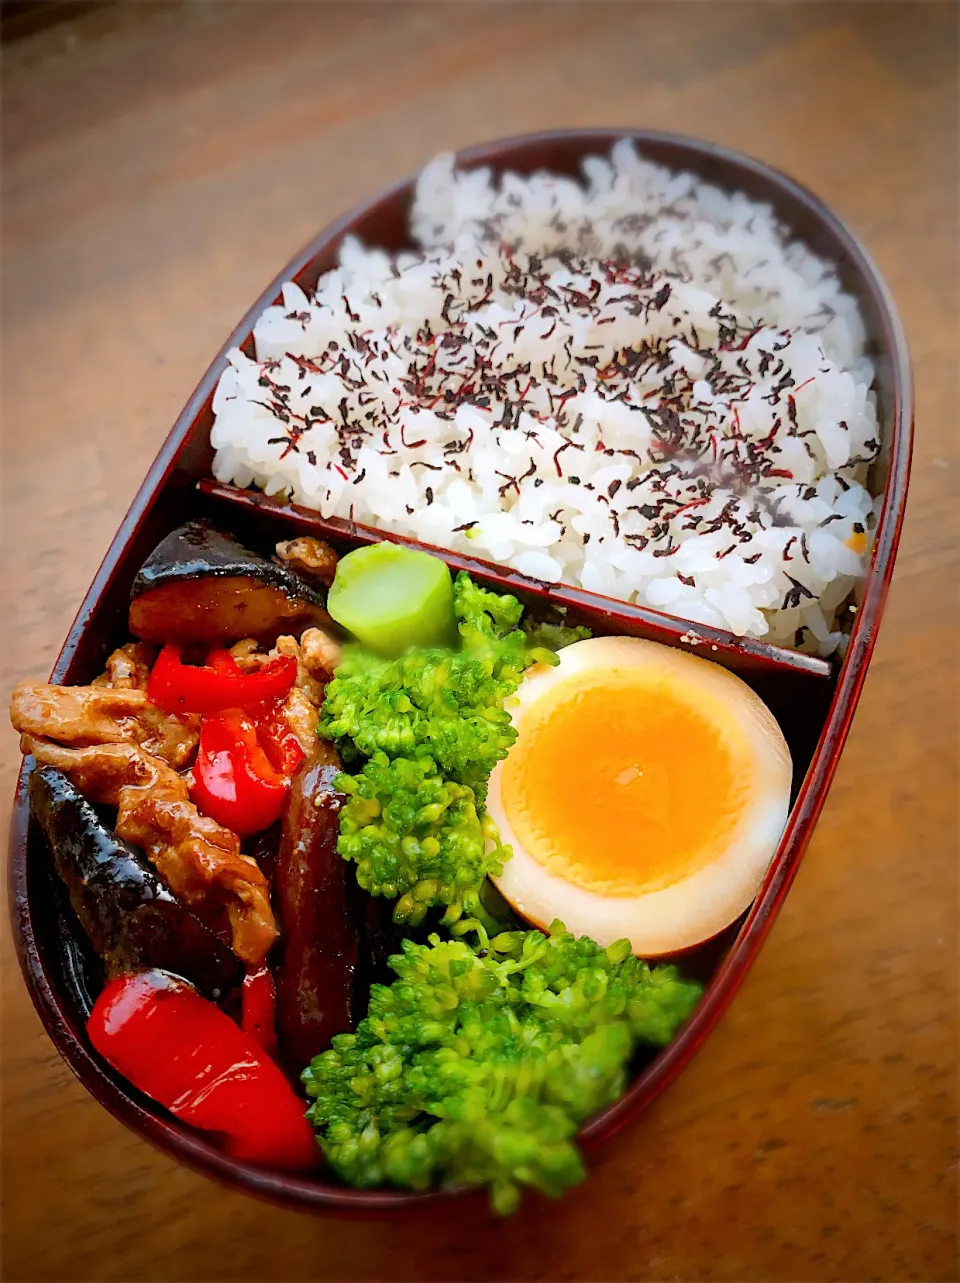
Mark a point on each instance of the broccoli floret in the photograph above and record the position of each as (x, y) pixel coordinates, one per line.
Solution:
(491, 614)
(448, 703)
(476, 1066)
(416, 836)
(431, 725)
(554, 637)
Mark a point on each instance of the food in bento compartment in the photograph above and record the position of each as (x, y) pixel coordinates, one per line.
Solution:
(200, 586)
(477, 1064)
(99, 714)
(310, 558)
(219, 684)
(197, 858)
(122, 751)
(334, 938)
(329, 808)
(430, 727)
(637, 384)
(644, 797)
(390, 598)
(189, 1056)
(131, 917)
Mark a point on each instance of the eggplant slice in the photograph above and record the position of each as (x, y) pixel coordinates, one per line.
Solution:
(335, 938)
(201, 587)
(132, 919)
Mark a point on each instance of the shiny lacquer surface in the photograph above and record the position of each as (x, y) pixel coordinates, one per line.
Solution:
(813, 702)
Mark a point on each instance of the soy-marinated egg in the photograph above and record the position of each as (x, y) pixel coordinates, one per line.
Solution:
(644, 797)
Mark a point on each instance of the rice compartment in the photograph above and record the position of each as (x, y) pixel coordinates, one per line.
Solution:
(637, 385)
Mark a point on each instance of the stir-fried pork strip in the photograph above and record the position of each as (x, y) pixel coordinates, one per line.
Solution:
(83, 715)
(194, 855)
(317, 655)
(311, 558)
(301, 715)
(119, 749)
(128, 668)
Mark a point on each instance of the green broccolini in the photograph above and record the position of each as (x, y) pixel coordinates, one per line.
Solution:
(554, 636)
(415, 835)
(475, 1067)
(449, 703)
(440, 702)
(432, 725)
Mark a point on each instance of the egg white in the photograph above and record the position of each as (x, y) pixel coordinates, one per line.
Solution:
(697, 906)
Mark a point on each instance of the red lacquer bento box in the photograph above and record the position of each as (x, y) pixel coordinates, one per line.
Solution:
(812, 699)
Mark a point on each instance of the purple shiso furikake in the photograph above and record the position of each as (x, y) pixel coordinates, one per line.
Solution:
(585, 419)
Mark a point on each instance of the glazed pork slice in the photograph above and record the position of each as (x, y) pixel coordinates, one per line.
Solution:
(317, 655)
(310, 558)
(196, 857)
(84, 715)
(128, 668)
(130, 916)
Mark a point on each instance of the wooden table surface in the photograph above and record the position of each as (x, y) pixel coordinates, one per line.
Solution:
(160, 163)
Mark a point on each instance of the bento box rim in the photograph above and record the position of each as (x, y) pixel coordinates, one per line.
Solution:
(312, 1194)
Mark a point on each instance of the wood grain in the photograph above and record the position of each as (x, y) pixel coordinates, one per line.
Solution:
(160, 162)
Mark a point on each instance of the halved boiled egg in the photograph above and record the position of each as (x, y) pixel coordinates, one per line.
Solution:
(644, 797)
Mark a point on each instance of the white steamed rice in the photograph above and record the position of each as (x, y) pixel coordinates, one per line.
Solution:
(552, 382)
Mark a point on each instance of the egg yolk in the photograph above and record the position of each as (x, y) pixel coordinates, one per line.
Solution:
(625, 784)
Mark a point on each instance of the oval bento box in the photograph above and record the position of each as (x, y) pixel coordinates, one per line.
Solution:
(813, 700)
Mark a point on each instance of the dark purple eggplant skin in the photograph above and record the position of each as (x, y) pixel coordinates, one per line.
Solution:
(200, 586)
(323, 955)
(132, 919)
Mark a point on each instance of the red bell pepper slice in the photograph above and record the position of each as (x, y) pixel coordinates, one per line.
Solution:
(259, 1009)
(223, 661)
(233, 780)
(189, 1056)
(277, 740)
(177, 687)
